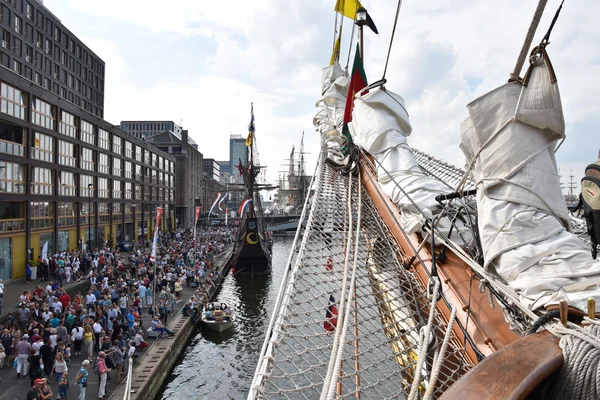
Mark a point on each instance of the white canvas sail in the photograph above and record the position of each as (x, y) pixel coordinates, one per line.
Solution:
(510, 138)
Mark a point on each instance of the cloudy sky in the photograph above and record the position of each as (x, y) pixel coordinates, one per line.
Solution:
(203, 62)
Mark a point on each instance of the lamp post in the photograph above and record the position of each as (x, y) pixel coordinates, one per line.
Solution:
(90, 188)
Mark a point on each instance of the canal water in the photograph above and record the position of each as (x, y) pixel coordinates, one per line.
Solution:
(221, 365)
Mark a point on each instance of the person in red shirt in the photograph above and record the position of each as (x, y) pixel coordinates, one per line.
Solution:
(64, 299)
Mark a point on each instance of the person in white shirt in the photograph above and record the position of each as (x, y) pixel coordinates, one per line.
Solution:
(90, 300)
(68, 271)
(57, 307)
(97, 328)
(47, 315)
(1, 289)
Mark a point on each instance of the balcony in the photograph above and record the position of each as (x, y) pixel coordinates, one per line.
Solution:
(12, 225)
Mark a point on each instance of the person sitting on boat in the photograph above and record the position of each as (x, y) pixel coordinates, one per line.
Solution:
(208, 315)
(159, 327)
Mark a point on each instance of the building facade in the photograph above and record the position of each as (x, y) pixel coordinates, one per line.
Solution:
(189, 173)
(38, 47)
(212, 169)
(145, 129)
(71, 179)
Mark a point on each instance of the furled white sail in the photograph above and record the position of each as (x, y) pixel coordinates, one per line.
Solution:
(509, 139)
(380, 125)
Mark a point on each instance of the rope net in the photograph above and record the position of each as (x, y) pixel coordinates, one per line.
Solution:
(388, 306)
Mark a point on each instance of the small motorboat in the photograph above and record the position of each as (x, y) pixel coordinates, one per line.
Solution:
(217, 317)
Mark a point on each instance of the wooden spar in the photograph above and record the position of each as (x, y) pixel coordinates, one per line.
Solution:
(487, 327)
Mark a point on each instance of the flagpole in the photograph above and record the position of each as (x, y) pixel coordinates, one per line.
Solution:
(361, 20)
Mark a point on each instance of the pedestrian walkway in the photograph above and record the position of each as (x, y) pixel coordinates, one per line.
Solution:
(13, 388)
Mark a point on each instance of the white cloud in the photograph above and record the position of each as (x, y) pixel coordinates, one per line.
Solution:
(229, 53)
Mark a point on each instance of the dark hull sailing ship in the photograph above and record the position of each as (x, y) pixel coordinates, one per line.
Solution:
(252, 254)
(415, 279)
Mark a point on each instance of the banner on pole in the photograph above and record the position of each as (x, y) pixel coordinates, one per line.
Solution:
(159, 212)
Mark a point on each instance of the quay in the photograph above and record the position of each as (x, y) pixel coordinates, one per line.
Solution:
(155, 363)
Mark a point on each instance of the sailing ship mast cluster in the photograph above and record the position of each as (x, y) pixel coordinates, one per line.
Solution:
(293, 184)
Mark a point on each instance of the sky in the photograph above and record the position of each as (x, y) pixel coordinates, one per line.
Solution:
(204, 62)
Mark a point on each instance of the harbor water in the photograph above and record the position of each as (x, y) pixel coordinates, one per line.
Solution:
(221, 365)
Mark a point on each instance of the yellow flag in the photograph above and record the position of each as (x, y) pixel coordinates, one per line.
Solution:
(249, 139)
(335, 56)
(347, 7)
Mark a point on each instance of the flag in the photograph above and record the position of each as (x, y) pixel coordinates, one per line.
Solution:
(220, 201)
(215, 203)
(159, 212)
(196, 221)
(357, 82)
(243, 206)
(329, 264)
(335, 56)
(241, 167)
(226, 214)
(347, 7)
(331, 316)
(250, 127)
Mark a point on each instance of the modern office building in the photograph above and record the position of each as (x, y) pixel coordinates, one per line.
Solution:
(38, 47)
(212, 169)
(189, 172)
(145, 129)
(68, 179)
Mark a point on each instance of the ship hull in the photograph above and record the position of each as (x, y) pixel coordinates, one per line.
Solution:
(253, 251)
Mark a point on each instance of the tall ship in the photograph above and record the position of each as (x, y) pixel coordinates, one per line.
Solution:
(416, 279)
(294, 184)
(252, 252)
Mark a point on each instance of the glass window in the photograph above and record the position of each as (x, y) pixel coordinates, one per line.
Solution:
(104, 139)
(63, 239)
(67, 125)
(103, 213)
(138, 191)
(66, 184)
(12, 101)
(117, 211)
(66, 214)
(87, 159)
(43, 147)
(87, 132)
(138, 153)
(43, 114)
(42, 215)
(128, 149)
(117, 192)
(138, 172)
(84, 188)
(66, 153)
(117, 143)
(12, 178)
(128, 192)
(6, 253)
(147, 157)
(116, 168)
(42, 182)
(12, 138)
(103, 191)
(103, 163)
(128, 170)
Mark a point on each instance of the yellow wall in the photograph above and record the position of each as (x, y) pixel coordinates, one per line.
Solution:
(19, 255)
(73, 238)
(35, 244)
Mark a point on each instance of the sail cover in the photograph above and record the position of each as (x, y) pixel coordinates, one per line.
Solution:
(381, 126)
(509, 139)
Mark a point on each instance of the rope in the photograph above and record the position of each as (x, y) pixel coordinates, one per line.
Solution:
(333, 360)
(578, 377)
(424, 334)
(391, 39)
(344, 328)
(439, 361)
(546, 39)
(537, 16)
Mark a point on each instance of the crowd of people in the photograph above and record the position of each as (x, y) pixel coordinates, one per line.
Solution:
(104, 324)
